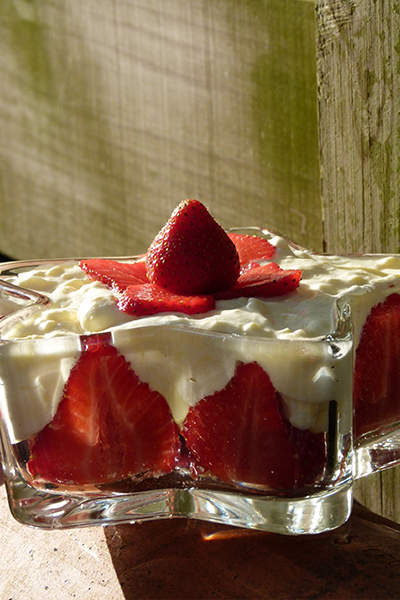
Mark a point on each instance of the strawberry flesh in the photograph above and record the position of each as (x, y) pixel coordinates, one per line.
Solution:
(239, 435)
(191, 263)
(109, 426)
(148, 299)
(192, 254)
(116, 275)
(263, 281)
(376, 393)
(251, 248)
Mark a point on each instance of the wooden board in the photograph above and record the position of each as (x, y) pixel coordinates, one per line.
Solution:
(55, 565)
(194, 560)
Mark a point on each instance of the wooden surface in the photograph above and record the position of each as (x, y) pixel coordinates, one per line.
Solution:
(359, 99)
(54, 565)
(190, 560)
(187, 559)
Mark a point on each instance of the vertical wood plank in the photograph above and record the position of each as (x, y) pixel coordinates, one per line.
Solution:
(359, 100)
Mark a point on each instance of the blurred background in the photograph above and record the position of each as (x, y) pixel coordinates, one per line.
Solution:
(278, 113)
(113, 112)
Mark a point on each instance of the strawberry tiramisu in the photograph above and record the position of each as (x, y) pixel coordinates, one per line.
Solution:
(217, 360)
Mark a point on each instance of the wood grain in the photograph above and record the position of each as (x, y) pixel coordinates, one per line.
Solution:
(358, 56)
(57, 565)
(360, 560)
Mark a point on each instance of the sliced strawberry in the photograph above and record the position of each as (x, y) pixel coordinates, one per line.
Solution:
(263, 281)
(376, 393)
(192, 254)
(195, 262)
(251, 248)
(117, 275)
(148, 299)
(240, 435)
(109, 426)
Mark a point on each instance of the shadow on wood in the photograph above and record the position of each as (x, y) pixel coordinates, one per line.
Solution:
(194, 560)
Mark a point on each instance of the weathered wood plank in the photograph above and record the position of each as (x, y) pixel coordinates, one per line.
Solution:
(358, 56)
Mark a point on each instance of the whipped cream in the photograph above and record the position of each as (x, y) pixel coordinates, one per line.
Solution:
(188, 357)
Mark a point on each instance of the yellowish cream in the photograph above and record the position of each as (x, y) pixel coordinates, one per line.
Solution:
(186, 358)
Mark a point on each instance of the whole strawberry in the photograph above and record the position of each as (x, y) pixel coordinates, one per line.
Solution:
(192, 254)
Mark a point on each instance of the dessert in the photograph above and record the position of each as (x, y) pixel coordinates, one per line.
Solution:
(217, 361)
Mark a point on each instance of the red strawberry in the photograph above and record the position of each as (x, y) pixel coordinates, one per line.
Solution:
(192, 254)
(117, 275)
(189, 261)
(251, 248)
(263, 281)
(240, 435)
(108, 426)
(376, 391)
(148, 299)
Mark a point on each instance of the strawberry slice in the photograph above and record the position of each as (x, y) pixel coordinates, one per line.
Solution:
(192, 254)
(148, 299)
(251, 248)
(240, 435)
(263, 281)
(376, 392)
(116, 275)
(191, 263)
(109, 426)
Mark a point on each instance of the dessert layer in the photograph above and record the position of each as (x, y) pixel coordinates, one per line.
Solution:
(186, 358)
(79, 305)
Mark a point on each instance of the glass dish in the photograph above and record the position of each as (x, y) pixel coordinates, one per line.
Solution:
(300, 483)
